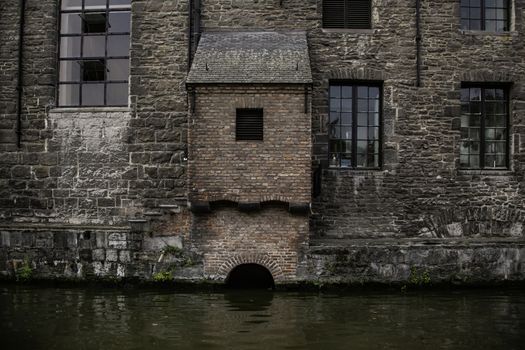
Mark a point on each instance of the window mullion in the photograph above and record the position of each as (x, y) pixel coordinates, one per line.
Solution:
(482, 132)
(482, 4)
(354, 126)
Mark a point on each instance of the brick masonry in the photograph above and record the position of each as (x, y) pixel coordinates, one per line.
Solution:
(104, 167)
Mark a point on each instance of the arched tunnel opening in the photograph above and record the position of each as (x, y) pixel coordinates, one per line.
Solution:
(250, 276)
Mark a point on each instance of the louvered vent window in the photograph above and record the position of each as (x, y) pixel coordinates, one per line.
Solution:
(351, 14)
(249, 124)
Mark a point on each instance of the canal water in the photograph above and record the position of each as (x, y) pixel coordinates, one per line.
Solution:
(62, 318)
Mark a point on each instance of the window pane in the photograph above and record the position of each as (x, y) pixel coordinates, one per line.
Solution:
(95, 23)
(362, 119)
(334, 160)
(373, 133)
(346, 105)
(334, 118)
(373, 119)
(373, 105)
(362, 92)
(335, 91)
(117, 94)
(335, 105)
(490, 26)
(119, 3)
(94, 46)
(362, 133)
(118, 69)
(118, 45)
(362, 105)
(119, 22)
(346, 160)
(70, 47)
(68, 95)
(373, 92)
(475, 13)
(71, 23)
(94, 4)
(346, 132)
(346, 118)
(475, 24)
(346, 92)
(69, 71)
(93, 94)
(93, 71)
(71, 4)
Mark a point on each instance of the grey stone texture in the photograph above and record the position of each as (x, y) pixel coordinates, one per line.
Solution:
(251, 57)
(104, 166)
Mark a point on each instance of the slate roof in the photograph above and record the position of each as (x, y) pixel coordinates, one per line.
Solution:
(251, 57)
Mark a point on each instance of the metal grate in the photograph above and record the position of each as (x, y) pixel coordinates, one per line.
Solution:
(249, 124)
(351, 14)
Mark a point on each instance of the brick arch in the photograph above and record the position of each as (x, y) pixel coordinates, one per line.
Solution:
(357, 73)
(259, 259)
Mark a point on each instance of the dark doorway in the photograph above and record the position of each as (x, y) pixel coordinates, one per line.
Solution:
(250, 276)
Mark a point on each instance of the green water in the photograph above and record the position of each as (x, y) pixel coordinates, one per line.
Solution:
(61, 318)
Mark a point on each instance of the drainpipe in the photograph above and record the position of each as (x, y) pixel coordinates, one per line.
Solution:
(194, 30)
(418, 43)
(22, 5)
(190, 31)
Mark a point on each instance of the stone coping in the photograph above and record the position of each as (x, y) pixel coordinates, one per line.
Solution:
(61, 227)
(455, 242)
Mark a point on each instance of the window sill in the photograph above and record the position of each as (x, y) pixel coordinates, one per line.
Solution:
(486, 172)
(487, 33)
(89, 109)
(348, 31)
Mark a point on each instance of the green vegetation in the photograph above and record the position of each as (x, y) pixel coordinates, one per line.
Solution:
(172, 250)
(419, 278)
(24, 272)
(164, 276)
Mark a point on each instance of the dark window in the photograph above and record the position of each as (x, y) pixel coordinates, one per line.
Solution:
(352, 14)
(355, 126)
(94, 52)
(484, 128)
(249, 124)
(489, 15)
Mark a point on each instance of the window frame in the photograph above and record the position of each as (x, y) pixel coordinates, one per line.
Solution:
(355, 84)
(79, 59)
(506, 87)
(346, 22)
(483, 9)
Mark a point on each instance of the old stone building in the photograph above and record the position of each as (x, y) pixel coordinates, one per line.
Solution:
(319, 140)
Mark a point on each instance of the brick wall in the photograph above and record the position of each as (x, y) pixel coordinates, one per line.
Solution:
(275, 169)
(271, 237)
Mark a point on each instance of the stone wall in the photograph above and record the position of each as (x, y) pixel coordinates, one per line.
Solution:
(96, 165)
(415, 262)
(86, 253)
(275, 169)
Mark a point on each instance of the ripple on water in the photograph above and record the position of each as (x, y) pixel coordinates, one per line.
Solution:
(45, 318)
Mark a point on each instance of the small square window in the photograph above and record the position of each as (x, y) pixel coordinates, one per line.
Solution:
(249, 124)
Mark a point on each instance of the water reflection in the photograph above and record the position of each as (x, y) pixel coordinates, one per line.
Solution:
(45, 318)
